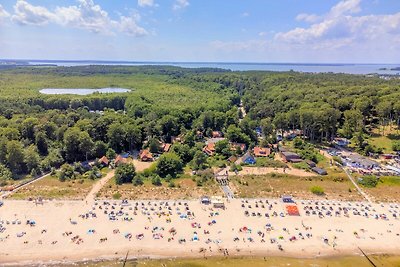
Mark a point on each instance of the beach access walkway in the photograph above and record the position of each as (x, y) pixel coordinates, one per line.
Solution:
(365, 195)
(98, 186)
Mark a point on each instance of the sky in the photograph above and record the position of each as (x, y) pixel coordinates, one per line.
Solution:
(295, 31)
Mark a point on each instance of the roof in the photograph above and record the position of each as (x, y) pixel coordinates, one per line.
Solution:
(261, 151)
(145, 154)
(209, 149)
(288, 154)
(165, 147)
(104, 160)
(217, 134)
(319, 171)
(119, 159)
(242, 146)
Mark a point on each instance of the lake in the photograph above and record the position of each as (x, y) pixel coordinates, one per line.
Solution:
(81, 91)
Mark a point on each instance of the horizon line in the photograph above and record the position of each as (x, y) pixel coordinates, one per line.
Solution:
(194, 62)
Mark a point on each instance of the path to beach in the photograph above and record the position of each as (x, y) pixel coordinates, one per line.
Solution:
(98, 186)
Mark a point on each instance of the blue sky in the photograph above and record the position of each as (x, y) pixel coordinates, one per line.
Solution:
(320, 31)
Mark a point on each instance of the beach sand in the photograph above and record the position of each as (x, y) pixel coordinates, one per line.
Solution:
(54, 237)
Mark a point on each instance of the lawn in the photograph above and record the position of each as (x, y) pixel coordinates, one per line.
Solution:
(384, 141)
(388, 189)
(336, 186)
(185, 188)
(51, 188)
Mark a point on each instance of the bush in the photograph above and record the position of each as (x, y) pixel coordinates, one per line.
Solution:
(396, 146)
(171, 184)
(66, 173)
(125, 174)
(317, 190)
(138, 180)
(116, 195)
(169, 163)
(368, 181)
(156, 181)
(338, 159)
(301, 165)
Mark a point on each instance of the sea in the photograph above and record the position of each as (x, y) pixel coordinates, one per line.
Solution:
(299, 67)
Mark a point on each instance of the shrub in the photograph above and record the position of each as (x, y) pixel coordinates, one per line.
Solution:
(317, 190)
(137, 181)
(301, 165)
(368, 181)
(396, 146)
(116, 195)
(125, 173)
(156, 181)
(171, 184)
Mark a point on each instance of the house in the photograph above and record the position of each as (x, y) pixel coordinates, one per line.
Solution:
(209, 149)
(217, 134)
(165, 147)
(104, 161)
(261, 151)
(120, 160)
(319, 171)
(235, 146)
(248, 159)
(232, 159)
(290, 157)
(145, 155)
(311, 163)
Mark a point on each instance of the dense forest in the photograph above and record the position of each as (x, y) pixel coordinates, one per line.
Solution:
(40, 132)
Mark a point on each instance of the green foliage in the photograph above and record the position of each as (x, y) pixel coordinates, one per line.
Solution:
(169, 163)
(267, 162)
(66, 173)
(368, 181)
(396, 146)
(5, 173)
(199, 161)
(116, 195)
(301, 165)
(317, 190)
(223, 148)
(156, 180)
(124, 174)
(138, 180)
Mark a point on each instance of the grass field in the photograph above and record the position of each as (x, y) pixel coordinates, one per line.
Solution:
(336, 186)
(51, 188)
(384, 141)
(387, 190)
(185, 188)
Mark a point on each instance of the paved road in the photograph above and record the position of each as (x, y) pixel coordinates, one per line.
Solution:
(6, 194)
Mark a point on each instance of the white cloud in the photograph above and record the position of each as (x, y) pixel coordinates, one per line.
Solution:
(339, 35)
(345, 7)
(307, 17)
(3, 12)
(27, 14)
(262, 34)
(144, 3)
(86, 15)
(179, 4)
(245, 14)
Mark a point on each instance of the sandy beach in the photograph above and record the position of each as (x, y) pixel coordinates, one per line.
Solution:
(83, 230)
